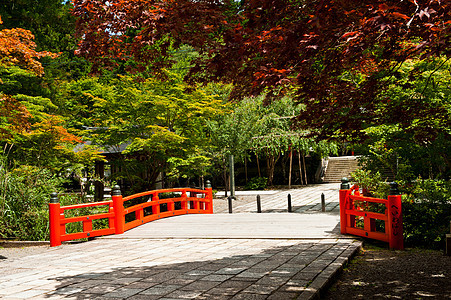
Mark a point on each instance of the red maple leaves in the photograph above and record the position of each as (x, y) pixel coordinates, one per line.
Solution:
(269, 44)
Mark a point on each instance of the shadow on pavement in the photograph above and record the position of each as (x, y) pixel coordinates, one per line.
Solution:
(275, 273)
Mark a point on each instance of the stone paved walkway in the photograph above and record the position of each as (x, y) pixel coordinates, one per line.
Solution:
(303, 199)
(282, 262)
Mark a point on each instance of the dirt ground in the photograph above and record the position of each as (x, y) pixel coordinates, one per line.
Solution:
(379, 273)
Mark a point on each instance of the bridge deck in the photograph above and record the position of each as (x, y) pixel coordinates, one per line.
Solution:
(222, 256)
(240, 225)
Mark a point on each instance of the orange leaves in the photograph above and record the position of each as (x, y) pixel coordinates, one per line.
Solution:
(17, 48)
(400, 16)
(14, 117)
(368, 66)
(51, 128)
(271, 35)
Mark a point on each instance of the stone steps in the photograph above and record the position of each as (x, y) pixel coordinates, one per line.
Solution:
(339, 167)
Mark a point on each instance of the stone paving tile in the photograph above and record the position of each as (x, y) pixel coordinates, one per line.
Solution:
(260, 289)
(282, 296)
(271, 280)
(67, 291)
(142, 297)
(161, 289)
(200, 285)
(253, 275)
(183, 294)
(123, 293)
(207, 296)
(101, 289)
(248, 296)
(216, 277)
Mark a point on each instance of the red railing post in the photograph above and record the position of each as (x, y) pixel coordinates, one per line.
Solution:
(54, 220)
(344, 190)
(184, 201)
(395, 229)
(118, 206)
(209, 197)
(156, 207)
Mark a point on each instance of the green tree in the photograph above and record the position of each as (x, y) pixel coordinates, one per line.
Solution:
(413, 144)
(157, 120)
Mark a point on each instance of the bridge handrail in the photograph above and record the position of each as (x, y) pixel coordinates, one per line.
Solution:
(174, 190)
(392, 216)
(84, 205)
(116, 214)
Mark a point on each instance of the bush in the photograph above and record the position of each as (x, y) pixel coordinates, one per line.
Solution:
(24, 194)
(426, 207)
(257, 183)
(427, 213)
(371, 183)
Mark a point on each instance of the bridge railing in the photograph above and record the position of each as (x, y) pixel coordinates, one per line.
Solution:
(357, 215)
(122, 214)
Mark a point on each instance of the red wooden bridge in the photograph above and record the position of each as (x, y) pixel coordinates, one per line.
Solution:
(373, 218)
(122, 217)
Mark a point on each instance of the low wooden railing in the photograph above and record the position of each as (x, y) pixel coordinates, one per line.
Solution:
(356, 217)
(122, 218)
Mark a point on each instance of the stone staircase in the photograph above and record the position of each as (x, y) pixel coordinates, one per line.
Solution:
(339, 167)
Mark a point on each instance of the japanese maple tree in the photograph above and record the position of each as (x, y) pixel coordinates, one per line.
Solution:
(336, 54)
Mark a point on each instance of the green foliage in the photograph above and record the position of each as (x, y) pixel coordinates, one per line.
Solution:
(264, 129)
(426, 206)
(427, 213)
(371, 183)
(161, 124)
(194, 165)
(24, 195)
(413, 144)
(49, 20)
(257, 183)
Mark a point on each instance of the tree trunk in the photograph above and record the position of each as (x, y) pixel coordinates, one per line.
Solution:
(258, 166)
(305, 169)
(285, 161)
(245, 167)
(300, 167)
(291, 165)
(271, 165)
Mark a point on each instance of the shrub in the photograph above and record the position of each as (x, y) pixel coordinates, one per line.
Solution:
(371, 183)
(427, 213)
(426, 207)
(257, 183)
(24, 194)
